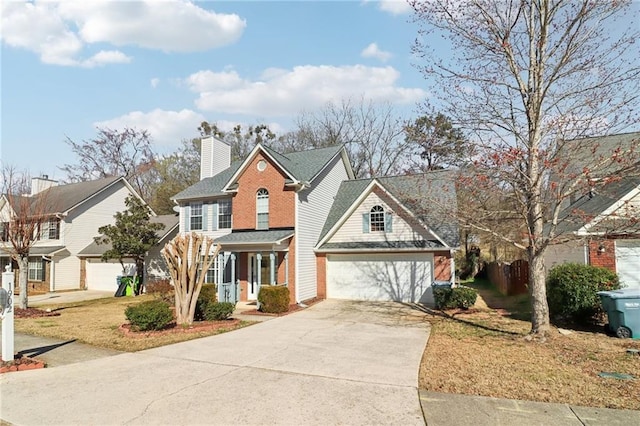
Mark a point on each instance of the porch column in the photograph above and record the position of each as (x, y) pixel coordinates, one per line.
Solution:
(286, 268)
(232, 285)
(52, 275)
(220, 265)
(259, 269)
(272, 269)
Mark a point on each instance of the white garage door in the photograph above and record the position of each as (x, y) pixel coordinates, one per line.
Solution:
(103, 275)
(381, 277)
(628, 262)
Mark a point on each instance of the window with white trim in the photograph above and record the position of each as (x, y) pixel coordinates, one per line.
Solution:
(36, 269)
(262, 209)
(376, 219)
(50, 230)
(224, 214)
(195, 218)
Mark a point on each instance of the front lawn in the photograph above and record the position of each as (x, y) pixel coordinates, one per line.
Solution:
(483, 351)
(97, 322)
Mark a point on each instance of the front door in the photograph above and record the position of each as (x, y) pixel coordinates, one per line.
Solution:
(259, 273)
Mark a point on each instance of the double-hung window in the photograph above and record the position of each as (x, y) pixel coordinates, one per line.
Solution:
(224, 214)
(36, 269)
(376, 218)
(262, 209)
(195, 218)
(50, 230)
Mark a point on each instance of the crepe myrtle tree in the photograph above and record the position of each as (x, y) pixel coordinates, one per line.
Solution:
(188, 258)
(22, 216)
(527, 80)
(132, 235)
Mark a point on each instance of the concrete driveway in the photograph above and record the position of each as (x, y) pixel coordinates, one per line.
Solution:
(334, 363)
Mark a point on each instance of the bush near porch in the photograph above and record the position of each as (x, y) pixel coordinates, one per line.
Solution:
(274, 299)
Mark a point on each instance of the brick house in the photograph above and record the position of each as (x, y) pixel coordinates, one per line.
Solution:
(603, 224)
(303, 221)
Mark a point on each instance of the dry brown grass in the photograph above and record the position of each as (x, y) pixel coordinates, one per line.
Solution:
(96, 323)
(484, 352)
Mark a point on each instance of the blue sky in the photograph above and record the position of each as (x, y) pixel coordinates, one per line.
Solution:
(167, 65)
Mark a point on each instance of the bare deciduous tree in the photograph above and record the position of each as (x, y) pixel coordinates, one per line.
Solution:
(188, 257)
(22, 216)
(372, 133)
(525, 77)
(127, 152)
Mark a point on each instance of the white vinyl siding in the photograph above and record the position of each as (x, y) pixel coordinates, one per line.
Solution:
(313, 209)
(352, 230)
(400, 277)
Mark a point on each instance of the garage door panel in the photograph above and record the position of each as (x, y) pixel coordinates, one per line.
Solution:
(405, 278)
(103, 275)
(628, 262)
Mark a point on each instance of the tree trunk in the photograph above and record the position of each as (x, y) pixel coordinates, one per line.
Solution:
(23, 265)
(538, 293)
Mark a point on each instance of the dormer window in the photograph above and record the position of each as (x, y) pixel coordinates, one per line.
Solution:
(376, 220)
(262, 209)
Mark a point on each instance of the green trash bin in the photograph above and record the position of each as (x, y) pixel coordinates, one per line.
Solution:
(623, 311)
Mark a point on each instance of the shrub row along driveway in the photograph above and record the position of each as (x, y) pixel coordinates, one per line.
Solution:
(336, 362)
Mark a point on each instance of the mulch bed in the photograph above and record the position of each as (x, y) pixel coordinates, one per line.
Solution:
(21, 363)
(34, 313)
(173, 328)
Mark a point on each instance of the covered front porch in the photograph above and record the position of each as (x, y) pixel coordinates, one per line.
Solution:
(250, 259)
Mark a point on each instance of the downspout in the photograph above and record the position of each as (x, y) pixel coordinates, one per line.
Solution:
(453, 267)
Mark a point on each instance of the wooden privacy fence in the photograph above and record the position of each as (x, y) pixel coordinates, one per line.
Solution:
(509, 279)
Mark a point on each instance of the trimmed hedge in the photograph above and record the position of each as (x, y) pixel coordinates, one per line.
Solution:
(572, 291)
(206, 297)
(219, 311)
(454, 298)
(274, 299)
(149, 315)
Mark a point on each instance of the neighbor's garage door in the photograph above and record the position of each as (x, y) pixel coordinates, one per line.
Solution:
(381, 277)
(103, 275)
(628, 262)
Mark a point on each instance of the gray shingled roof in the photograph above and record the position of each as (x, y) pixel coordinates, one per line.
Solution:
(170, 222)
(430, 196)
(61, 198)
(589, 206)
(302, 165)
(256, 237)
(36, 251)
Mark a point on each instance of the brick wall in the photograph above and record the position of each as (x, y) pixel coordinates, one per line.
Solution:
(442, 266)
(281, 199)
(321, 275)
(606, 259)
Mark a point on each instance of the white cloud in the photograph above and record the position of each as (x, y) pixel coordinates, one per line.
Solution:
(167, 128)
(287, 92)
(395, 7)
(154, 82)
(59, 31)
(373, 51)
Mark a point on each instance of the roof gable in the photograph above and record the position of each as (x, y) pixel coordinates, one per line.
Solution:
(410, 193)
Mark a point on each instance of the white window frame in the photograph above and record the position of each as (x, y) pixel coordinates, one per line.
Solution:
(377, 219)
(224, 213)
(262, 209)
(35, 269)
(194, 208)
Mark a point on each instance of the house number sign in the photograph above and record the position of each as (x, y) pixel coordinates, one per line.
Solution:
(5, 302)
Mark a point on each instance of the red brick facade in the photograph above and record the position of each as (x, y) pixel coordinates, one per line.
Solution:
(281, 199)
(321, 275)
(442, 266)
(603, 253)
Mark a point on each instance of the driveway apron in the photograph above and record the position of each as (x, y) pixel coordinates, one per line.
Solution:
(336, 362)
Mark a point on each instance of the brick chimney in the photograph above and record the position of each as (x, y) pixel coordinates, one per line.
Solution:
(215, 156)
(41, 183)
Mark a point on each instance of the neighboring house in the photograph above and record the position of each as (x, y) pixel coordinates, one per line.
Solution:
(602, 226)
(75, 212)
(301, 220)
(101, 275)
